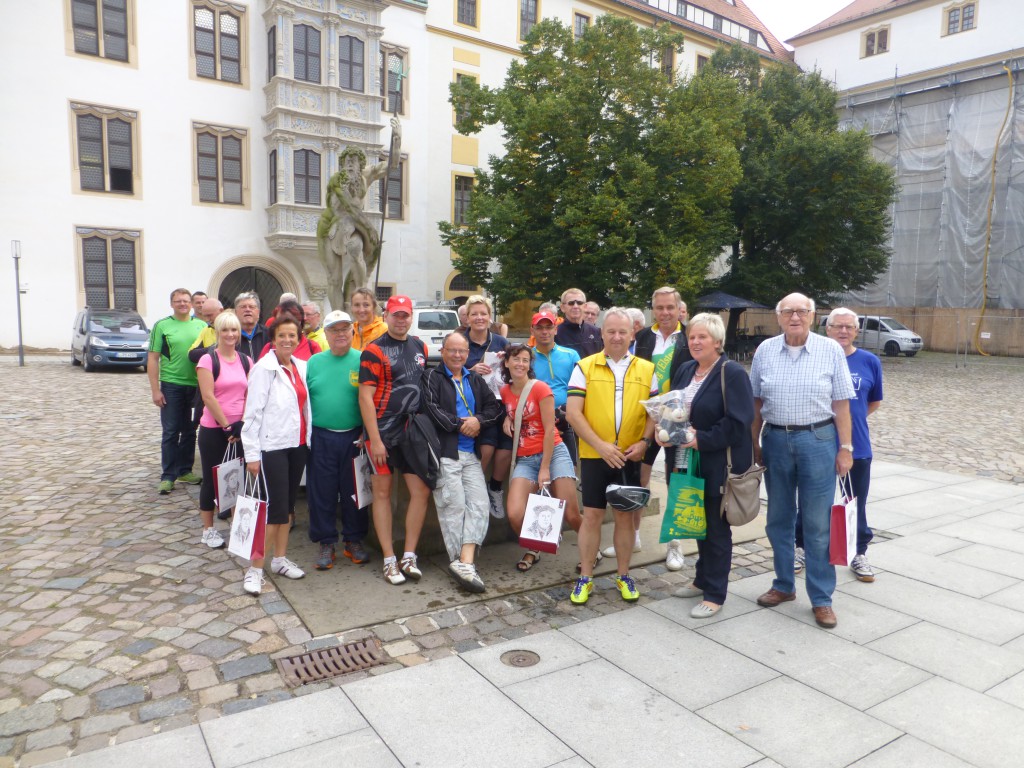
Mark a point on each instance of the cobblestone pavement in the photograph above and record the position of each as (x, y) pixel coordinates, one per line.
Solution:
(115, 624)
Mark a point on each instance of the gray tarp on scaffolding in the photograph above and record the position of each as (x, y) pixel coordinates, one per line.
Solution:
(940, 136)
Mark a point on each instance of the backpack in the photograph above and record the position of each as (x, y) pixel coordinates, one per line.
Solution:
(197, 402)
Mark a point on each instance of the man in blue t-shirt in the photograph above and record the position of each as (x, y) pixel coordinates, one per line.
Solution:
(553, 365)
(866, 371)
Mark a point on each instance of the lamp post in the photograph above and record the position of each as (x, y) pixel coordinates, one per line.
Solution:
(394, 67)
(16, 255)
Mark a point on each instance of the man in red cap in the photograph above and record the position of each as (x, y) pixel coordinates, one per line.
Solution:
(390, 370)
(553, 365)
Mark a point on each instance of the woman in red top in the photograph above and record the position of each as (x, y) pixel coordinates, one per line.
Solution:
(306, 347)
(542, 460)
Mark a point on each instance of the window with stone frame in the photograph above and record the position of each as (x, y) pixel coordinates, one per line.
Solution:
(220, 164)
(217, 30)
(105, 148)
(960, 18)
(306, 173)
(110, 261)
(391, 196)
(100, 28)
(580, 22)
(271, 53)
(392, 80)
(306, 53)
(351, 63)
(668, 63)
(875, 42)
(461, 114)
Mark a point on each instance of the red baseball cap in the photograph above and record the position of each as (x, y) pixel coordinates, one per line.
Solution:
(399, 304)
(541, 316)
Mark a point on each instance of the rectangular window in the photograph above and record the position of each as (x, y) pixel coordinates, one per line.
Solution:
(391, 81)
(350, 70)
(463, 194)
(307, 176)
(109, 267)
(104, 146)
(466, 12)
(306, 52)
(668, 63)
(217, 40)
(271, 53)
(702, 62)
(219, 164)
(580, 22)
(527, 17)
(272, 177)
(459, 77)
(100, 28)
(875, 42)
(391, 200)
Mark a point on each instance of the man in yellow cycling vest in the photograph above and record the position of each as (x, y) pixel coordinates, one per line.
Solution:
(604, 409)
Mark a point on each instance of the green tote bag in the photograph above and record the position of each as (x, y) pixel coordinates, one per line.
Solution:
(684, 514)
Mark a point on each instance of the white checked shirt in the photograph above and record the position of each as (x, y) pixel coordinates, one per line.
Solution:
(800, 391)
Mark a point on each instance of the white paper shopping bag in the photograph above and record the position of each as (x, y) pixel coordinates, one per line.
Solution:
(542, 523)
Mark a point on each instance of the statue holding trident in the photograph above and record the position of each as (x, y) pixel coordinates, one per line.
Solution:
(348, 243)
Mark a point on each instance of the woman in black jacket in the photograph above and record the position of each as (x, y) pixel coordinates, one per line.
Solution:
(719, 424)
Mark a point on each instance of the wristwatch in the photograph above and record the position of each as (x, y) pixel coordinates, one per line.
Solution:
(647, 440)
(846, 447)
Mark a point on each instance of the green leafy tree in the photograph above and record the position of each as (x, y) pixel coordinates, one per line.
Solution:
(614, 178)
(812, 210)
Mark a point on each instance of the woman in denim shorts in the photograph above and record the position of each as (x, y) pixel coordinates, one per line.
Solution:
(542, 460)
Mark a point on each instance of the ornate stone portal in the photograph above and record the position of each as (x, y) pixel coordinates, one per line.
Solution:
(347, 240)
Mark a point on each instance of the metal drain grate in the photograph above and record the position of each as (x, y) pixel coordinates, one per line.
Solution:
(330, 662)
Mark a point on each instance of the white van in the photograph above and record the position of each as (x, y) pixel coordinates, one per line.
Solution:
(886, 335)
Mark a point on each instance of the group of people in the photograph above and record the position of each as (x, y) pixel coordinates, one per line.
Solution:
(530, 414)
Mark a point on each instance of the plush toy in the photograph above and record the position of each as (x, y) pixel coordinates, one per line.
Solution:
(672, 416)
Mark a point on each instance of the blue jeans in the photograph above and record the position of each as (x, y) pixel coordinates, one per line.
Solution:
(860, 480)
(329, 480)
(178, 442)
(801, 466)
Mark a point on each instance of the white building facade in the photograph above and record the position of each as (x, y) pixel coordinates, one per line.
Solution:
(188, 143)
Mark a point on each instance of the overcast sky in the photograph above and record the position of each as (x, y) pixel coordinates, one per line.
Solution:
(786, 18)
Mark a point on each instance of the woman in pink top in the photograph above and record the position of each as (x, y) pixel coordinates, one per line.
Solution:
(223, 401)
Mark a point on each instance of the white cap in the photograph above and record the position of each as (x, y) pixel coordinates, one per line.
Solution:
(337, 316)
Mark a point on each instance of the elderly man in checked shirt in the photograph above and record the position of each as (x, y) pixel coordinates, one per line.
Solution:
(802, 390)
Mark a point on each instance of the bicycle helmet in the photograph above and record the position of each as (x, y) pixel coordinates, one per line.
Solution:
(627, 498)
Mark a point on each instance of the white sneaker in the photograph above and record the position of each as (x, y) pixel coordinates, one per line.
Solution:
(466, 574)
(254, 581)
(392, 575)
(212, 538)
(636, 543)
(410, 568)
(497, 499)
(285, 567)
(674, 559)
(610, 551)
(798, 560)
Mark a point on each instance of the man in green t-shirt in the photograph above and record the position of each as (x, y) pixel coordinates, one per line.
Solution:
(332, 377)
(172, 382)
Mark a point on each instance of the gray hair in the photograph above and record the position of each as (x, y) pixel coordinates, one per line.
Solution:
(567, 291)
(248, 296)
(314, 304)
(712, 322)
(635, 316)
(619, 312)
(778, 307)
(842, 311)
(548, 306)
(287, 296)
(666, 289)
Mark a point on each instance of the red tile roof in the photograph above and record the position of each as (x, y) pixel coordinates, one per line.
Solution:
(738, 13)
(856, 10)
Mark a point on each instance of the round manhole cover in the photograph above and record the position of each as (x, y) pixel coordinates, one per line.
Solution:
(520, 658)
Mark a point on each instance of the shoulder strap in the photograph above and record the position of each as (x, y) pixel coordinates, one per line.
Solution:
(518, 421)
(725, 408)
(246, 362)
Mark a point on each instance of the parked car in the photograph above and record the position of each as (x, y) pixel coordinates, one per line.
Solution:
(886, 335)
(431, 325)
(109, 337)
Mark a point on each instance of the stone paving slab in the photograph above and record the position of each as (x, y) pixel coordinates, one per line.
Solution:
(104, 587)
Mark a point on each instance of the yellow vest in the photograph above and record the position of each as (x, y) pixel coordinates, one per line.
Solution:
(599, 402)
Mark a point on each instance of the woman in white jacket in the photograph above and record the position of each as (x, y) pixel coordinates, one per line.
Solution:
(275, 438)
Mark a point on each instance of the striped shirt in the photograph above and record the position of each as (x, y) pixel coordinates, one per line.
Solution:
(800, 390)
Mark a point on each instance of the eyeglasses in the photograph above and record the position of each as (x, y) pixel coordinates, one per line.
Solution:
(457, 351)
(575, 303)
(844, 327)
(787, 312)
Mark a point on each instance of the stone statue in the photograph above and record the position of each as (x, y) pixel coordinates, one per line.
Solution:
(348, 240)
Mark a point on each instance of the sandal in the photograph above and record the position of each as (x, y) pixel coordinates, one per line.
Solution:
(524, 565)
(597, 561)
